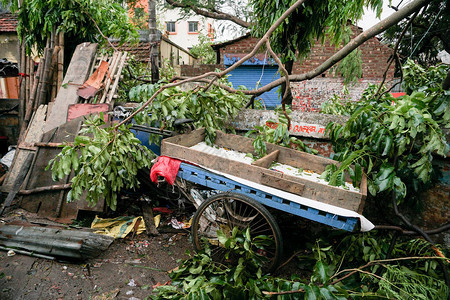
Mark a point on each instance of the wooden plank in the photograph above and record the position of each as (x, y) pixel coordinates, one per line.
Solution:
(24, 168)
(47, 204)
(178, 147)
(111, 70)
(117, 79)
(147, 213)
(77, 73)
(267, 160)
(186, 140)
(32, 135)
(282, 184)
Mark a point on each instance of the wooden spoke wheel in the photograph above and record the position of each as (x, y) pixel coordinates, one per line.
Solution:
(228, 210)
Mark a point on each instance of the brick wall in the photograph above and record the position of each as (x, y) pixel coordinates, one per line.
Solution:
(374, 56)
(309, 95)
(195, 70)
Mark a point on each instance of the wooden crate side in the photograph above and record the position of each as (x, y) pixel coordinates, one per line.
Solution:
(235, 142)
(312, 190)
(282, 184)
(186, 140)
(267, 160)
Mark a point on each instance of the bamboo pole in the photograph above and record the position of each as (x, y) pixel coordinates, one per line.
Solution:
(46, 75)
(60, 75)
(23, 82)
(56, 187)
(53, 73)
(38, 80)
(31, 104)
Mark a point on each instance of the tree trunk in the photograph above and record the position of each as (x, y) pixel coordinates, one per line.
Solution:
(154, 38)
(288, 66)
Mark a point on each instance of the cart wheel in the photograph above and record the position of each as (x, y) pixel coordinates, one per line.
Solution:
(227, 210)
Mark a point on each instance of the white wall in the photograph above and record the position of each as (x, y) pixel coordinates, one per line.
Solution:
(182, 37)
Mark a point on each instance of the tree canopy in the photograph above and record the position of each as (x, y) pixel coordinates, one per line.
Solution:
(428, 33)
(80, 20)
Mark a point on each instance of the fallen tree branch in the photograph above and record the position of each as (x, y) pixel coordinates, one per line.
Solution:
(222, 73)
(358, 270)
(406, 232)
(353, 44)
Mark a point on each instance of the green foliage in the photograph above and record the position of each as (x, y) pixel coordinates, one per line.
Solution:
(350, 67)
(276, 133)
(212, 109)
(409, 128)
(425, 37)
(38, 18)
(338, 106)
(402, 283)
(314, 19)
(200, 277)
(103, 161)
(167, 71)
(203, 50)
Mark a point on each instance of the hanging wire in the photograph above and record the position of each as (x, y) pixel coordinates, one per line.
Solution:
(262, 73)
(432, 23)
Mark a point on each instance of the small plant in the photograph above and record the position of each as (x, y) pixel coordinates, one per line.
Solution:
(278, 135)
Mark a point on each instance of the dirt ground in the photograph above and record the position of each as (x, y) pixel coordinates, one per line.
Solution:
(129, 269)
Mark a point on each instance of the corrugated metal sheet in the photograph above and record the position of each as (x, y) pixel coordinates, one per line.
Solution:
(55, 242)
(248, 76)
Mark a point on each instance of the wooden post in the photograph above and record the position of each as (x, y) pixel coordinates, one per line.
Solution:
(23, 82)
(30, 79)
(53, 72)
(149, 220)
(46, 76)
(30, 105)
(38, 79)
(60, 60)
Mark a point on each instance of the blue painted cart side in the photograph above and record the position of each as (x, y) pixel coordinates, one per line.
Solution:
(211, 180)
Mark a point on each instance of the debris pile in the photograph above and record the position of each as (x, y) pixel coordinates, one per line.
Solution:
(55, 107)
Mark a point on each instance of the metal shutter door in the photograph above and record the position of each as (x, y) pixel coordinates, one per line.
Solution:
(248, 77)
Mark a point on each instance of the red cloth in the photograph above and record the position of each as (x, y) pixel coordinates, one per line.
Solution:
(166, 167)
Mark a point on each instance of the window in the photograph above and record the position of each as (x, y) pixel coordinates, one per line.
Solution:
(193, 27)
(170, 27)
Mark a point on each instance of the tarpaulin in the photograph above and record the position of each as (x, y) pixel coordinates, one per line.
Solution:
(120, 227)
(166, 167)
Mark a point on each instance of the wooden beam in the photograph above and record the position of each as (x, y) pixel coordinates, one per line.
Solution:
(77, 73)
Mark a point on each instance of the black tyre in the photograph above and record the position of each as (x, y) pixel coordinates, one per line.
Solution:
(228, 210)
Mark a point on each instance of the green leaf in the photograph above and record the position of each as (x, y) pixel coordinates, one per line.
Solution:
(322, 270)
(385, 171)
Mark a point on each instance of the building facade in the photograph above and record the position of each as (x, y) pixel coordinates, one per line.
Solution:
(182, 30)
(308, 95)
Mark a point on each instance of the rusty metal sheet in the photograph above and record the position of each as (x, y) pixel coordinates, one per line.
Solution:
(84, 109)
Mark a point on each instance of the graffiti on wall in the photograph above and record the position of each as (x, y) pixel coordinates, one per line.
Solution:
(302, 129)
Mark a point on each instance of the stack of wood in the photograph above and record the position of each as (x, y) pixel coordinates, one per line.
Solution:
(41, 87)
(106, 86)
(53, 113)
